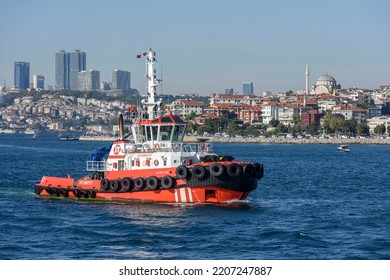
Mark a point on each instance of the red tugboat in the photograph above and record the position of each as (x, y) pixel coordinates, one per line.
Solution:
(154, 165)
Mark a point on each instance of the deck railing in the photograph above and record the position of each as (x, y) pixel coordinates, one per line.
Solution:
(96, 165)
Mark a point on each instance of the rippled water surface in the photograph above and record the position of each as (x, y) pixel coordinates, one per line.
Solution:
(313, 203)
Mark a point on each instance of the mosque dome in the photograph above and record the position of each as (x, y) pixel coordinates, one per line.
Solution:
(326, 80)
(325, 84)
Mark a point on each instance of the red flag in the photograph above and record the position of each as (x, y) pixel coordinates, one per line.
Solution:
(139, 55)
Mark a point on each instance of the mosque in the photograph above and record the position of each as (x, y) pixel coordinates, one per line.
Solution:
(325, 84)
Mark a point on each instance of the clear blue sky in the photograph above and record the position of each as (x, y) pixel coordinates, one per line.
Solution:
(204, 46)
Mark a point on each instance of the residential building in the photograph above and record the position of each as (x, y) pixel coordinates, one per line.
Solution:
(269, 112)
(185, 107)
(22, 75)
(359, 115)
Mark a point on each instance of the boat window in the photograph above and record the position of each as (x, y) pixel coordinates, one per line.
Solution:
(154, 132)
(178, 132)
(165, 119)
(148, 133)
(165, 132)
(177, 119)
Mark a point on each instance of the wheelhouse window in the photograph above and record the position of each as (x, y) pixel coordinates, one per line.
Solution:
(178, 132)
(151, 133)
(165, 132)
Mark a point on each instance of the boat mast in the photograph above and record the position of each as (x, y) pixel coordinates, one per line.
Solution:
(152, 106)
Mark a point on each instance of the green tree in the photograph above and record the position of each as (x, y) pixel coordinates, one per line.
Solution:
(362, 129)
(274, 123)
(380, 129)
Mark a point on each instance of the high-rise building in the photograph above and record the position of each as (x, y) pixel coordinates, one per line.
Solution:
(62, 70)
(247, 88)
(68, 66)
(22, 75)
(38, 81)
(89, 80)
(229, 91)
(120, 79)
(77, 63)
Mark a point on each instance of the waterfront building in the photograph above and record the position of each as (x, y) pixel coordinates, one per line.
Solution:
(374, 122)
(38, 82)
(247, 88)
(67, 68)
(22, 75)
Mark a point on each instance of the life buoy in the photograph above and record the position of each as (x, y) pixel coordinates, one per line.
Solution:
(199, 171)
(181, 172)
(105, 184)
(139, 183)
(248, 170)
(126, 184)
(152, 183)
(115, 186)
(166, 182)
(156, 162)
(216, 169)
(234, 170)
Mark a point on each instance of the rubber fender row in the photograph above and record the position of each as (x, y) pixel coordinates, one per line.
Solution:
(215, 158)
(76, 192)
(217, 169)
(128, 184)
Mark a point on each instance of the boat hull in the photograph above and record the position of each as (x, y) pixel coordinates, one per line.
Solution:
(196, 184)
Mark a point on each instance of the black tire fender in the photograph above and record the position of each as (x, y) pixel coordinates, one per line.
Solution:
(199, 172)
(166, 182)
(234, 170)
(105, 184)
(181, 172)
(127, 184)
(248, 170)
(152, 183)
(139, 183)
(216, 169)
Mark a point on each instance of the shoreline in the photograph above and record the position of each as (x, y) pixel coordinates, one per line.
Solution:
(257, 140)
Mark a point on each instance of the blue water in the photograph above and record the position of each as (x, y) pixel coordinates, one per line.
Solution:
(313, 203)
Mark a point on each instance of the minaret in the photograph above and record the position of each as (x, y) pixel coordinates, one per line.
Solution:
(307, 84)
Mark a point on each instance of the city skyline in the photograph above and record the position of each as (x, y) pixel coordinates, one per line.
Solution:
(205, 46)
